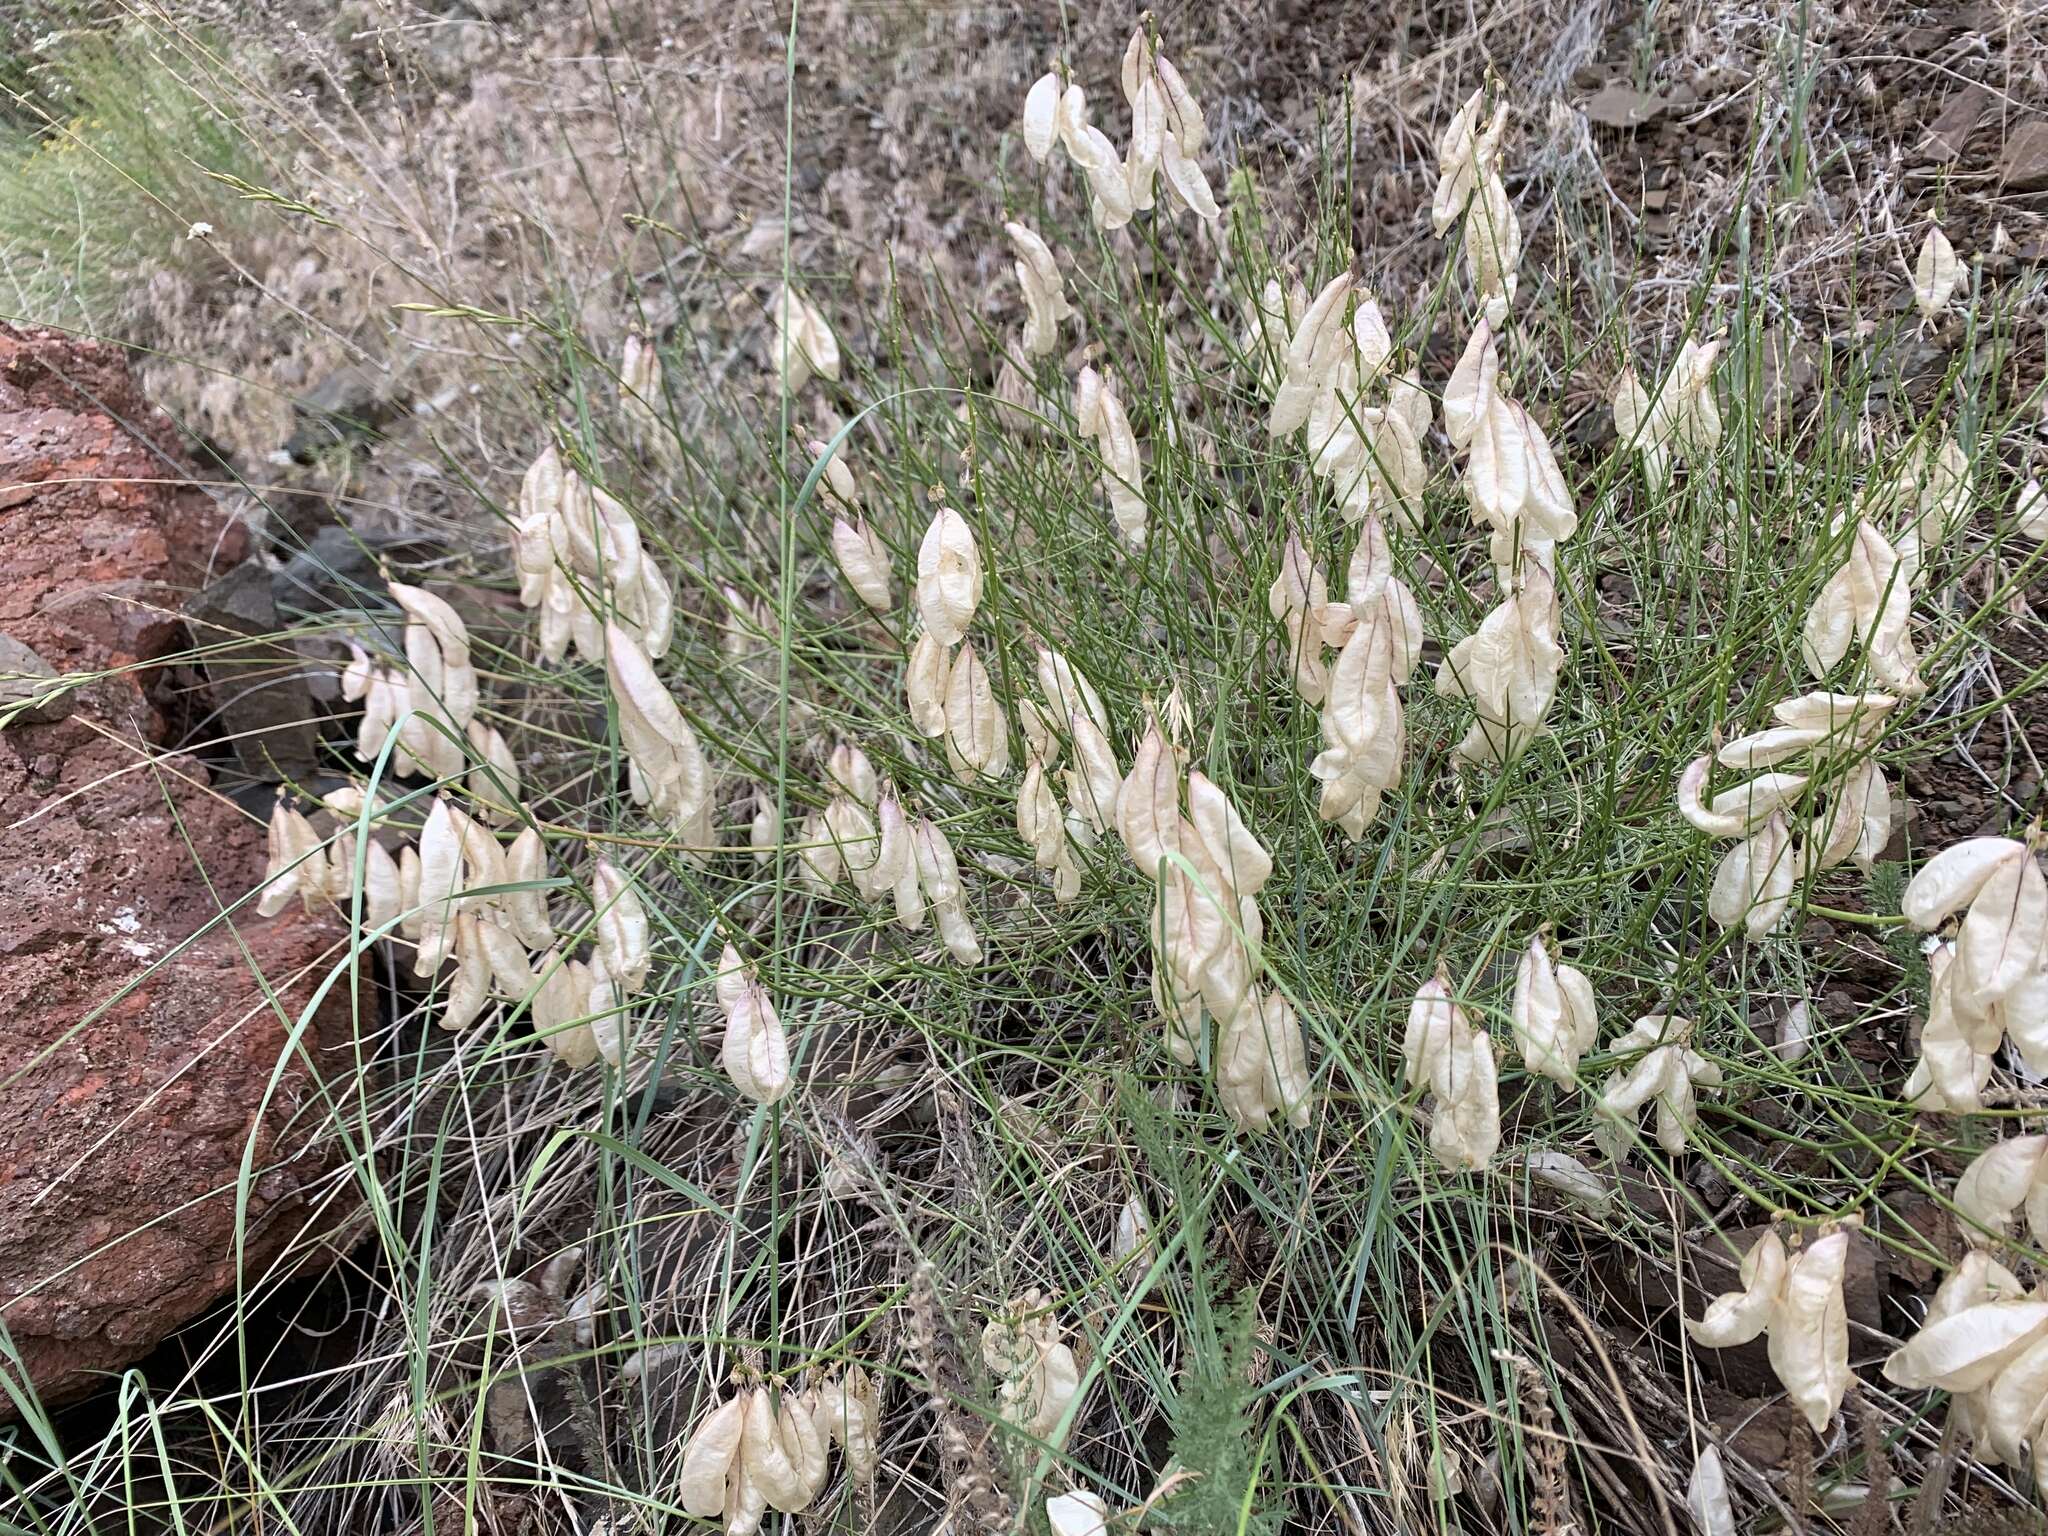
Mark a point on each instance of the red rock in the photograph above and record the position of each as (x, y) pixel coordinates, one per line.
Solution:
(99, 530)
(141, 1054)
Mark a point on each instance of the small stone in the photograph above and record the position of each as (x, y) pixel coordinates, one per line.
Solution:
(1617, 106)
(28, 690)
(1947, 134)
(2025, 168)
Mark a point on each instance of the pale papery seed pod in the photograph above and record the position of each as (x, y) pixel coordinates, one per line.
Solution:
(439, 885)
(1464, 153)
(864, 561)
(1042, 742)
(1363, 729)
(894, 861)
(1955, 1050)
(1131, 1245)
(1372, 589)
(1555, 1015)
(1045, 298)
(1148, 805)
(1070, 694)
(1123, 471)
(2001, 939)
(1642, 429)
(1563, 1174)
(819, 865)
(1036, 1374)
(641, 398)
(1754, 881)
(1667, 1074)
(852, 774)
(730, 981)
(899, 857)
(1269, 325)
(493, 777)
(468, 990)
(858, 840)
(1739, 811)
(764, 831)
(1072, 116)
(1936, 274)
(1262, 1074)
(849, 1410)
(1464, 1129)
(1706, 1496)
(1041, 115)
(939, 875)
(755, 1053)
(1238, 856)
(1493, 248)
(1509, 669)
(977, 731)
(483, 860)
(1186, 178)
(1688, 398)
(1952, 878)
(1148, 144)
(1094, 782)
(1088, 391)
(622, 940)
(295, 864)
(1441, 1050)
(1797, 1303)
(1110, 203)
(1967, 1349)
(783, 1449)
(1017, 402)
(526, 863)
(611, 1025)
(381, 884)
(711, 1466)
(948, 577)
(838, 474)
(2008, 1176)
(1809, 1332)
(1795, 1034)
(1184, 119)
(511, 975)
(437, 651)
(1473, 386)
(2030, 511)
(411, 917)
(541, 493)
(1313, 353)
(669, 772)
(1738, 1316)
(804, 343)
(1079, 1513)
(925, 675)
(1039, 822)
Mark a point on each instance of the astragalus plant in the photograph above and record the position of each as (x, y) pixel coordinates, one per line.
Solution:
(972, 933)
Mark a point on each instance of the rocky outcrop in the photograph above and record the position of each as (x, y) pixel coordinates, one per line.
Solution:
(162, 1075)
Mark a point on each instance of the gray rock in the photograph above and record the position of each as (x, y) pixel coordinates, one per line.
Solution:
(350, 403)
(2026, 158)
(260, 687)
(28, 690)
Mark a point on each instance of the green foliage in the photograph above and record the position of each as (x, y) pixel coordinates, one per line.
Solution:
(1216, 1430)
(105, 153)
